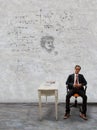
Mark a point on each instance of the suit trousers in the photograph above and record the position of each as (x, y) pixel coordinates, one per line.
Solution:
(70, 93)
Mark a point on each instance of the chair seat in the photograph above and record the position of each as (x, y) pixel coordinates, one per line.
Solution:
(76, 95)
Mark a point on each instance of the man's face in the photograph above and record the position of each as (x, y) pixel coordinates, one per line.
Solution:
(77, 70)
(49, 44)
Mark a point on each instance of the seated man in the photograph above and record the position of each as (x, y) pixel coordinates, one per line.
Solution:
(75, 83)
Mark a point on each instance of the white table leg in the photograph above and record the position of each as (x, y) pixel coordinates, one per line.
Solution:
(40, 105)
(46, 99)
(56, 103)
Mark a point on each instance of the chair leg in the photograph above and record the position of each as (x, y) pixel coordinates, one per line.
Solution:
(75, 102)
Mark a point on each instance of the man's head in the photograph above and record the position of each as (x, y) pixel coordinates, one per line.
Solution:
(47, 43)
(77, 69)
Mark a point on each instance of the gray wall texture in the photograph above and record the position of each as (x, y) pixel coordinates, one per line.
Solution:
(43, 40)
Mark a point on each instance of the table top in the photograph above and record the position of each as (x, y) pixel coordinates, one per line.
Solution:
(51, 85)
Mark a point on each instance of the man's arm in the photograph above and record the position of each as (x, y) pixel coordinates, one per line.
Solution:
(84, 82)
(69, 82)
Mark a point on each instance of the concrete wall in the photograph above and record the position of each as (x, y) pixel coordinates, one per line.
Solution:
(69, 26)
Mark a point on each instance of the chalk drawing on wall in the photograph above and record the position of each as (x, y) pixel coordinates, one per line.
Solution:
(47, 42)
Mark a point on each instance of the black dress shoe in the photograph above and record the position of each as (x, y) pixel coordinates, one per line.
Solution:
(66, 115)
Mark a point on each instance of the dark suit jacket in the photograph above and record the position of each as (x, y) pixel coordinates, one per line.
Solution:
(70, 81)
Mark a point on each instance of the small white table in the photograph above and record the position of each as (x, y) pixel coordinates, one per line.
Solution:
(48, 89)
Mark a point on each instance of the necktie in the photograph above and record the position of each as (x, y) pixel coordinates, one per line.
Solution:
(76, 80)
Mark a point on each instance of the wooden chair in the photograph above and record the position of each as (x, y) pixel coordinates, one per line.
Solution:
(76, 96)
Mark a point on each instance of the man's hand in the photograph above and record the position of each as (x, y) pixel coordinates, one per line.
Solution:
(77, 85)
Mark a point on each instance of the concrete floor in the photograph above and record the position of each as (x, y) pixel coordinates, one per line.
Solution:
(26, 117)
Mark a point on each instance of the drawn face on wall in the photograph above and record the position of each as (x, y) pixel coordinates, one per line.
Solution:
(47, 43)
